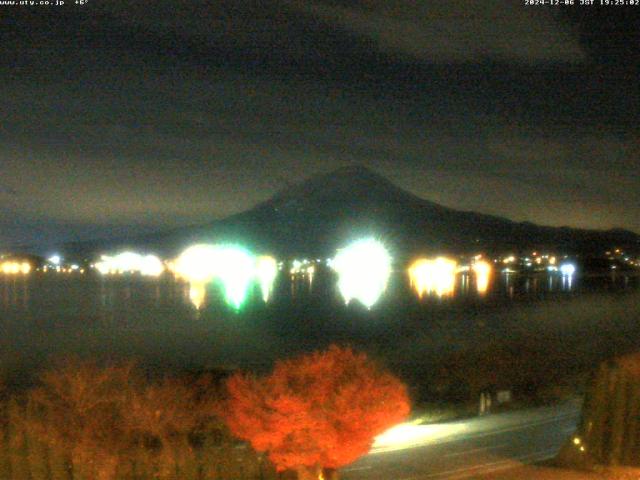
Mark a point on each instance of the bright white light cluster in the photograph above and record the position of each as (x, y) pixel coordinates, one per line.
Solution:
(236, 268)
(233, 266)
(303, 267)
(567, 269)
(130, 262)
(408, 436)
(197, 263)
(363, 271)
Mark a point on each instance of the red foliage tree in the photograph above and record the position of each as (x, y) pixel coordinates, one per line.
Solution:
(320, 410)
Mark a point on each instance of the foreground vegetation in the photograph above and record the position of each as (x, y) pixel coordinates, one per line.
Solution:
(316, 413)
(85, 422)
(310, 416)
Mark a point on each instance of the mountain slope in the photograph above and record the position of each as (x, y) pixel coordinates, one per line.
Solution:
(322, 213)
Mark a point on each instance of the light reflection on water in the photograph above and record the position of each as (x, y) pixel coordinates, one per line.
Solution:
(155, 319)
(107, 293)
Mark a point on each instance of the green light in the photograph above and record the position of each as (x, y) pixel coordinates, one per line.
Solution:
(230, 265)
(235, 269)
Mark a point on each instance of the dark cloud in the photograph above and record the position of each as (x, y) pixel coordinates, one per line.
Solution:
(453, 31)
(116, 118)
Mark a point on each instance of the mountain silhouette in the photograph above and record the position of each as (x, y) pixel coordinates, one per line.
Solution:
(317, 216)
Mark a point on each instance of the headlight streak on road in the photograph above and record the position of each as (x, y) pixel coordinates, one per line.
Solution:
(409, 435)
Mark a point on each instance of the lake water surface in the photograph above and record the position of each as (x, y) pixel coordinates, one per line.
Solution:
(43, 317)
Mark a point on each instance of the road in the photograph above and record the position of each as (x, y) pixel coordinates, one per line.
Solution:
(467, 449)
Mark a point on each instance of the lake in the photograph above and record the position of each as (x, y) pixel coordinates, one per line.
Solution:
(45, 316)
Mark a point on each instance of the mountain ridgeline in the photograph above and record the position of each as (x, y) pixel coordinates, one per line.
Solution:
(325, 212)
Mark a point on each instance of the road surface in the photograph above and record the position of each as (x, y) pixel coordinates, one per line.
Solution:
(467, 449)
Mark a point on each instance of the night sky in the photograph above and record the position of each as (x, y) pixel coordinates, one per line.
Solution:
(121, 120)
